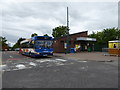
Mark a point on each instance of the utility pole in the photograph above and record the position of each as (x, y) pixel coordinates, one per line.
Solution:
(67, 21)
(67, 40)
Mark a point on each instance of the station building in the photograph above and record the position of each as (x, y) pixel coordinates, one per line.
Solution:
(80, 38)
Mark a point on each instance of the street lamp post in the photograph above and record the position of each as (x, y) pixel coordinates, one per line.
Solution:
(67, 40)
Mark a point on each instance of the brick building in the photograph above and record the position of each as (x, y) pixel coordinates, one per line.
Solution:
(80, 38)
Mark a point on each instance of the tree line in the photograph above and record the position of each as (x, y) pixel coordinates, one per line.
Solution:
(106, 35)
(3, 43)
(102, 37)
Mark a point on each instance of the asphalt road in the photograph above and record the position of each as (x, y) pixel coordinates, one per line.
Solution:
(56, 72)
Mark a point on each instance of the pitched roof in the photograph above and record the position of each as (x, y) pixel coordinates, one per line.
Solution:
(71, 34)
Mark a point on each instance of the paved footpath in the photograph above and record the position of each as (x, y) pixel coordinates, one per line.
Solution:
(97, 56)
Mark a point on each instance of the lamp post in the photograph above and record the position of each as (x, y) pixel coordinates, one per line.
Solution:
(67, 40)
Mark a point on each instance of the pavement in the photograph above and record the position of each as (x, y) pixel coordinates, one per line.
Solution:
(96, 56)
(59, 71)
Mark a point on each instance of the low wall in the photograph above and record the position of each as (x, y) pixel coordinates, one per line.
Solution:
(115, 51)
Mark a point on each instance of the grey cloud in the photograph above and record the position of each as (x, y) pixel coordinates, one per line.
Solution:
(43, 29)
(10, 37)
(119, 15)
(41, 17)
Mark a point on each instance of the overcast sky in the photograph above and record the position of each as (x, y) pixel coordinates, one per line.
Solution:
(24, 18)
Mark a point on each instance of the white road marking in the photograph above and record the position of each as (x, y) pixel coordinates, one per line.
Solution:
(58, 64)
(33, 64)
(2, 67)
(46, 60)
(11, 56)
(20, 66)
(15, 69)
(82, 61)
(61, 60)
(82, 67)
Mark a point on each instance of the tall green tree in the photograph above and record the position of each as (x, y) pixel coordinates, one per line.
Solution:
(3, 43)
(110, 34)
(104, 36)
(45, 35)
(34, 34)
(17, 44)
(60, 31)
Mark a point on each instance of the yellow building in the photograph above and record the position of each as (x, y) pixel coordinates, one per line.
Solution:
(114, 44)
(114, 47)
